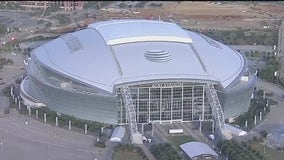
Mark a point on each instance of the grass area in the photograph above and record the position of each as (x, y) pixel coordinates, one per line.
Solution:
(120, 155)
(178, 140)
(269, 152)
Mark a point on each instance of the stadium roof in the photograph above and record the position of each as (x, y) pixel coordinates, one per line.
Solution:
(193, 149)
(124, 51)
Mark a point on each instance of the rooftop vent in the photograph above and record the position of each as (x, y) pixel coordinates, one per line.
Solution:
(158, 56)
(72, 42)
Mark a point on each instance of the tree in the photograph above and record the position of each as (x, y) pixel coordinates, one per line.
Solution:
(122, 5)
(263, 134)
(91, 5)
(40, 21)
(3, 29)
(48, 24)
(53, 8)
(165, 151)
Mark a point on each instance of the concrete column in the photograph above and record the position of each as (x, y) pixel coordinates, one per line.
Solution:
(36, 114)
(69, 125)
(246, 124)
(86, 129)
(12, 91)
(44, 117)
(260, 116)
(263, 94)
(102, 130)
(200, 124)
(213, 126)
(56, 121)
(152, 129)
(19, 105)
(172, 90)
(143, 128)
(254, 120)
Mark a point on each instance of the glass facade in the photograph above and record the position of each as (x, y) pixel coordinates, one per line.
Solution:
(236, 100)
(160, 101)
(166, 102)
(66, 96)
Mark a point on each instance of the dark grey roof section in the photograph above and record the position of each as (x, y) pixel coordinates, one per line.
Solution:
(72, 42)
(199, 59)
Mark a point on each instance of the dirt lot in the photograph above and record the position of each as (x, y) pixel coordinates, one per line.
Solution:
(222, 16)
(213, 15)
(196, 15)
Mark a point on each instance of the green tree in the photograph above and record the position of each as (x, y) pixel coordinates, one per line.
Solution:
(122, 5)
(263, 133)
(3, 29)
(48, 24)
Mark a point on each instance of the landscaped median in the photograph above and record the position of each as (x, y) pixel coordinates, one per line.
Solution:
(181, 139)
(234, 150)
(128, 151)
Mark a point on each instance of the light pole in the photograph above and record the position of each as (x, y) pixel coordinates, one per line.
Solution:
(200, 124)
(213, 126)
(152, 129)
(264, 149)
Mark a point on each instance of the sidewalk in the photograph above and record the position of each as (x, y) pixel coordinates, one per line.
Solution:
(147, 152)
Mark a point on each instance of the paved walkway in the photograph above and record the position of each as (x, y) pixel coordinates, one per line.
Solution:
(147, 152)
(8, 75)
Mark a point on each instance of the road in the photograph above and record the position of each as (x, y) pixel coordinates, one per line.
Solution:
(19, 141)
(40, 141)
(274, 121)
(281, 47)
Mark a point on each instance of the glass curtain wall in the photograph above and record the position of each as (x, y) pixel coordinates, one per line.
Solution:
(166, 102)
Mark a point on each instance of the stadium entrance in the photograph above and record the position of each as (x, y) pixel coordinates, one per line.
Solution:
(166, 102)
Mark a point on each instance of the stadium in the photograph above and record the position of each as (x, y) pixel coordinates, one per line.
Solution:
(138, 71)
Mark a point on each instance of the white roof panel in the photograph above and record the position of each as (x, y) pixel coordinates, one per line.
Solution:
(193, 149)
(124, 51)
(118, 134)
(125, 31)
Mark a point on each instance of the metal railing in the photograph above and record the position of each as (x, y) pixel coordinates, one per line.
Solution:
(216, 106)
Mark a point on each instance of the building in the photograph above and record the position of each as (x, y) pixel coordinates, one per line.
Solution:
(155, 71)
(118, 134)
(275, 140)
(198, 151)
(64, 5)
